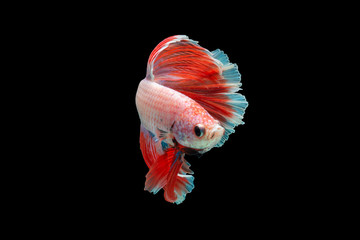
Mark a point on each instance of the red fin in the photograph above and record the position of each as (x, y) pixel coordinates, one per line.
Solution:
(179, 183)
(168, 170)
(163, 44)
(170, 194)
(207, 77)
(147, 146)
(158, 163)
(157, 176)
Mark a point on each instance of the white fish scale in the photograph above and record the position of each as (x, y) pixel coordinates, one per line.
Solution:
(158, 105)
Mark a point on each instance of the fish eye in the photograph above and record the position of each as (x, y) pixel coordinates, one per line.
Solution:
(199, 130)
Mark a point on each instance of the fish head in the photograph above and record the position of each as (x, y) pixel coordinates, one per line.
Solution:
(197, 129)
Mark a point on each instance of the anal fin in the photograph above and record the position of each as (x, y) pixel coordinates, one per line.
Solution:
(148, 146)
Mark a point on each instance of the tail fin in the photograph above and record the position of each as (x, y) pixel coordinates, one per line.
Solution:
(207, 77)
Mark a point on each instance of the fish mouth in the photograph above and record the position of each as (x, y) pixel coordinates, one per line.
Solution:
(217, 132)
(214, 137)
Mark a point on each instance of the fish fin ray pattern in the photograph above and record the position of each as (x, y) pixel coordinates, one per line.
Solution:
(207, 77)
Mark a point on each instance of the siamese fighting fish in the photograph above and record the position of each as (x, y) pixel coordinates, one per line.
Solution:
(188, 103)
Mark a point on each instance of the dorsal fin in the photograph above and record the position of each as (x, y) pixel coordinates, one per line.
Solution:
(207, 77)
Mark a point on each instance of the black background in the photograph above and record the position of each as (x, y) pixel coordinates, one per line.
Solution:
(94, 165)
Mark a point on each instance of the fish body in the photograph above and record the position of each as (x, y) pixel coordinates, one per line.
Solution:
(187, 104)
(178, 117)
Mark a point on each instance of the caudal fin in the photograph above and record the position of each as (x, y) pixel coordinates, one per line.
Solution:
(207, 77)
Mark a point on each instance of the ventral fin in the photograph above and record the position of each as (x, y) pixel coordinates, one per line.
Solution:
(179, 182)
(207, 77)
(157, 177)
(171, 172)
(161, 133)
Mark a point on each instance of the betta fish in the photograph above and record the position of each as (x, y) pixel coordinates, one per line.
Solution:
(188, 103)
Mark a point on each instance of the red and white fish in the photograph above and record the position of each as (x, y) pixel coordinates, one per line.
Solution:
(188, 103)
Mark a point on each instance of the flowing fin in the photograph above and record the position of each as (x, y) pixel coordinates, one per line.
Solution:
(157, 177)
(167, 168)
(207, 77)
(169, 171)
(179, 182)
(148, 146)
